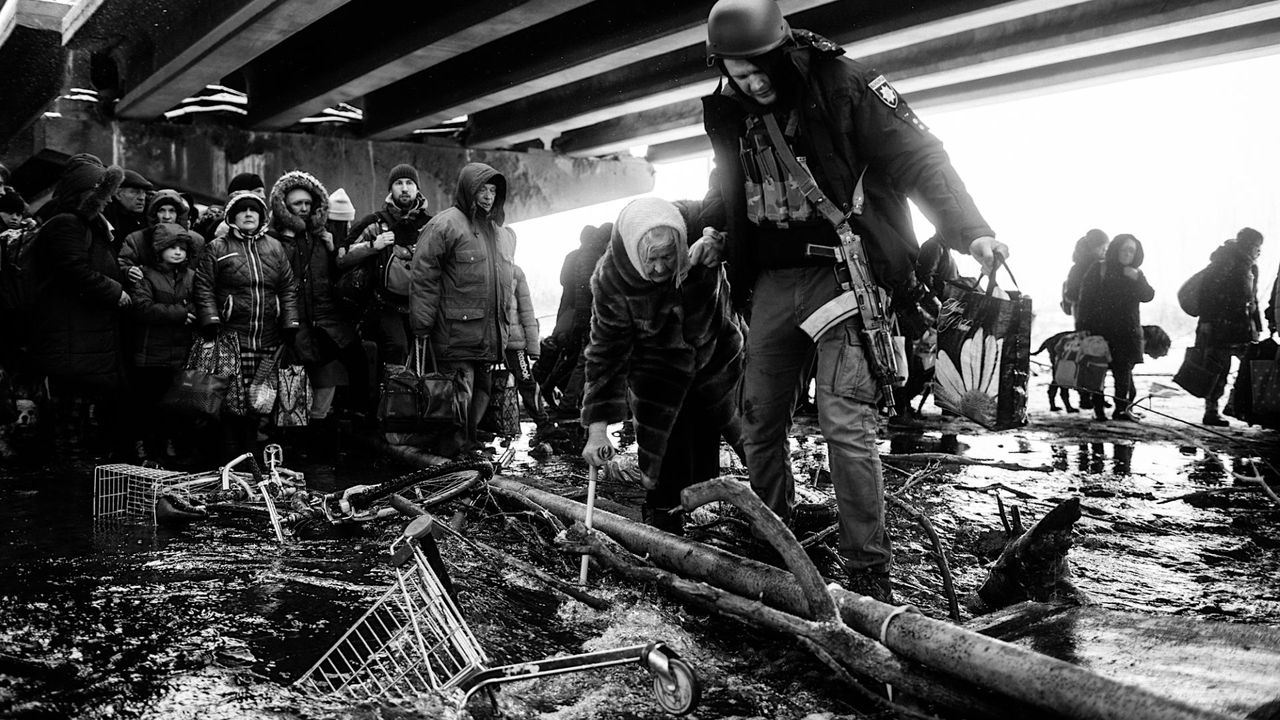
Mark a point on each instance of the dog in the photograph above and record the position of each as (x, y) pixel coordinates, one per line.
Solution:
(1155, 341)
(22, 407)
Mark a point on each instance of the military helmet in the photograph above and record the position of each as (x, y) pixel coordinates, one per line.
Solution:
(744, 29)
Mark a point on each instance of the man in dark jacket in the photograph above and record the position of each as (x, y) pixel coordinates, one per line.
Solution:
(326, 343)
(866, 150)
(383, 243)
(463, 279)
(79, 306)
(125, 211)
(1229, 315)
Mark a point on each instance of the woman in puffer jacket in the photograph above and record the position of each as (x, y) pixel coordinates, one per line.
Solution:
(244, 283)
(664, 340)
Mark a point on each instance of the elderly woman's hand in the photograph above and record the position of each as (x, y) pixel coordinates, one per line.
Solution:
(599, 448)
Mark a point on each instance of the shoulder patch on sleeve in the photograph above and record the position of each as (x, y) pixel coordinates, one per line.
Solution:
(884, 91)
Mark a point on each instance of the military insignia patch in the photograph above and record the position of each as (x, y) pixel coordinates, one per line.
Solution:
(884, 91)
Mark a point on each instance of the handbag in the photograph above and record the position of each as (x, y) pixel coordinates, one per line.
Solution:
(502, 416)
(203, 385)
(444, 397)
(984, 353)
(265, 385)
(1200, 372)
(293, 398)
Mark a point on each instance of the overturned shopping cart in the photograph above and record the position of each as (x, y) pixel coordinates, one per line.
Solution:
(413, 642)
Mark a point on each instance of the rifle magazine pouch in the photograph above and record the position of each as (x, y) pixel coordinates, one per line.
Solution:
(755, 202)
(775, 201)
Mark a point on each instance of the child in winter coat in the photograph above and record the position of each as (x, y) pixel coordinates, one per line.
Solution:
(164, 318)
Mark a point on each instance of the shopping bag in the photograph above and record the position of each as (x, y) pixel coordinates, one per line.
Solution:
(1200, 372)
(209, 383)
(502, 416)
(399, 400)
(265, 385)
(293, 397)
(984, 354)
(1266, 391)
(196, 393)
(1082, 362)
(443, 396)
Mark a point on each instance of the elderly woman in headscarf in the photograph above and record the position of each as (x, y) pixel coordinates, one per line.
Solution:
(664, 329)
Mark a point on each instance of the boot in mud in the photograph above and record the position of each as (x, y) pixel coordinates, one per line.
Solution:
(670, 520)
(875, 584)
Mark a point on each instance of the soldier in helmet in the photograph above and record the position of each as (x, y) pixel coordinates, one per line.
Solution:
(842, 124)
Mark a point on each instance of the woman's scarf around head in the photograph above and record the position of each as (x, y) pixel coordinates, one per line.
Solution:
(642, 215)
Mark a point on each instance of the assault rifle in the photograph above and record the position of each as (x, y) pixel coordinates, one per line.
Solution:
(861, 293)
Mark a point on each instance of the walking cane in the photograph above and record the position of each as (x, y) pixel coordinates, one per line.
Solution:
(591, 505)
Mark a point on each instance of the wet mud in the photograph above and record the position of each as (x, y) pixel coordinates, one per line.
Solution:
(216, 620)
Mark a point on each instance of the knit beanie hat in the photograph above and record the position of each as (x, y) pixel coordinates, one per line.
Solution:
(134, 179)
(403, 170)
(11, 201)
(340, 206)
(245, 181)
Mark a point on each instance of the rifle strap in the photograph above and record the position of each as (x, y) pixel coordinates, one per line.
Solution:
(804, 179)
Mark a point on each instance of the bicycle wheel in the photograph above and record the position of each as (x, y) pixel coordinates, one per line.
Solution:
(431, 486)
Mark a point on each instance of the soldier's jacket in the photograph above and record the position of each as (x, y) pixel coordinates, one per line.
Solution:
(853, 124)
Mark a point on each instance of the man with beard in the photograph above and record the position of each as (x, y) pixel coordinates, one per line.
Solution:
(381, 247)
(125, 212)
(79, 307)
(325, 343)
(463, 280)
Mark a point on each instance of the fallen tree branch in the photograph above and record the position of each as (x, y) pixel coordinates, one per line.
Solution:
(1000, 486)
(944, 568)
(951, 459)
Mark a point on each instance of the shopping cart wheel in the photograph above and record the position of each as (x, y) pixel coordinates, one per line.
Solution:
(677, 692)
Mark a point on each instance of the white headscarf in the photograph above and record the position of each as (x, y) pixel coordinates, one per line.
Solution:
(642, 215)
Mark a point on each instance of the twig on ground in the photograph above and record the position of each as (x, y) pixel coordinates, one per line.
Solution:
(953, 603)
(1204, 493)
(1000, 486)
(820, 536)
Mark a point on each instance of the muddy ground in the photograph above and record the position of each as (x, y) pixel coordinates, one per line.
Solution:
(217, 619)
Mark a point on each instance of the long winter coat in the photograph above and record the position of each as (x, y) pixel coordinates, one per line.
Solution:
(314, 268)
(1110, 306)
(1229, 314)
(161, 301)
(463, 274)
(670, 346)
(78, 319)
(852, 121)
(248, 286)
(522, 319)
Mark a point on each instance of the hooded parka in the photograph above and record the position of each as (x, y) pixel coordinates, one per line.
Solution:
(1229, 314)
(464, 273)
(137, 247)
(314, 267)
(162, 300)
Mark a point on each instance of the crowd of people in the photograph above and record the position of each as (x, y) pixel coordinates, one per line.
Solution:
(1105, 289)
(683, 316)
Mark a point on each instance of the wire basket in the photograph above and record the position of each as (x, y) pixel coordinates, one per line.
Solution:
(126, 494)
(413, 641)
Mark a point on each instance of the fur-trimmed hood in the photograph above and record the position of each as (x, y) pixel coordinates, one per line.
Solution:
(170, 197)
(281, 217)
(85, 181)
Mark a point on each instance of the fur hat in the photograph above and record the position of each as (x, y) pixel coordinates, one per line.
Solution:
(403, 170)
(242, 198)
(168, 235)
(1249, 235)
(134, 179)
(11, 201)
(245, 181)
(340, 207)
(84, 173)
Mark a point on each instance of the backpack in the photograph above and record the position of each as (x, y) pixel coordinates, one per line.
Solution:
(397, 273)
(1189, 293)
